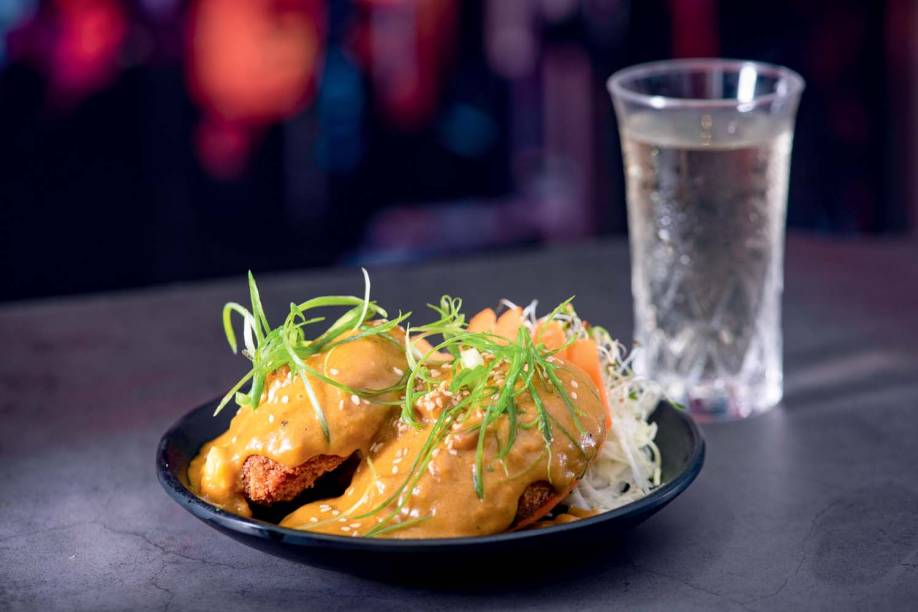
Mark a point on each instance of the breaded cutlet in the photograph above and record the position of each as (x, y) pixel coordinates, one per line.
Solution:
(266, 482)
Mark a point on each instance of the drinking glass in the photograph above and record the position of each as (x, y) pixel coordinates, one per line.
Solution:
(706, 146)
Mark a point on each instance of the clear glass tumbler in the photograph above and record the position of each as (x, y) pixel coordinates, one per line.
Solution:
(706, 146)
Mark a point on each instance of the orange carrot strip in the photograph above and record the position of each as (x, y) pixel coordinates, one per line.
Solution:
(551, 335)
(585, 355)
(484, 321)
(509, 323)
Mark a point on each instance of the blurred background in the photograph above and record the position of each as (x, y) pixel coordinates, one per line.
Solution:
(150, 141)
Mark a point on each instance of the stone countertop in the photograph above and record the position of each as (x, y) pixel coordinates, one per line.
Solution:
(813, 505)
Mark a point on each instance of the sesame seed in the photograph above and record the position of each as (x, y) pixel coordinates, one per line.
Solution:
(335, 512)
(270, 418)
(435, 372)
(313, 519)
(574, 384)
(285, 399)
(340, 404)
(342, 520)
(398, 371)
(345, 528)
(415, 513)
(355, 400)
(333, 371)
(324, 507)
(354, 525)
(395, 469)
(453, 452)
(573, 395)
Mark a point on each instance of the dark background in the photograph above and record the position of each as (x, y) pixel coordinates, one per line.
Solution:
(157, 140)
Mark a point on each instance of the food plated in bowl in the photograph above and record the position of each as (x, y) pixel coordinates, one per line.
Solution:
(454, 429)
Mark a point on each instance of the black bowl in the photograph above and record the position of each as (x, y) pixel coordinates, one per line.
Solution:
(678, 438)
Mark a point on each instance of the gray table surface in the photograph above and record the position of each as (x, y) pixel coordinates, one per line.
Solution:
(813, 505)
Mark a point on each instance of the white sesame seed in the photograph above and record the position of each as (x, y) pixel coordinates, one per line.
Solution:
(345, 528)
(324, 507)
(354, 525)
(453, 452)
(574, 383)
(340, 404)
(415, 513)
(435, 373)
(398, 371)
(270, 418)
(335, 512)
(573, 395)
(313, 519)
(342, 520)
(285, 399)
(355, 400)
(333, 371)
(395, 469)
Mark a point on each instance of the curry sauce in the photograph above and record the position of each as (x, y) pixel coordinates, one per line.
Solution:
(285, 427)
(441, 499)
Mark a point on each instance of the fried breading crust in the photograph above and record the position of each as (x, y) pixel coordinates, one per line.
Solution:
(265, 481)
(533, 500)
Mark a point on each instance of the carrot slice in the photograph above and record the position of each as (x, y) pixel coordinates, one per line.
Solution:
(509, 323)
(551, 335)
(484, 321)
(585, 355)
